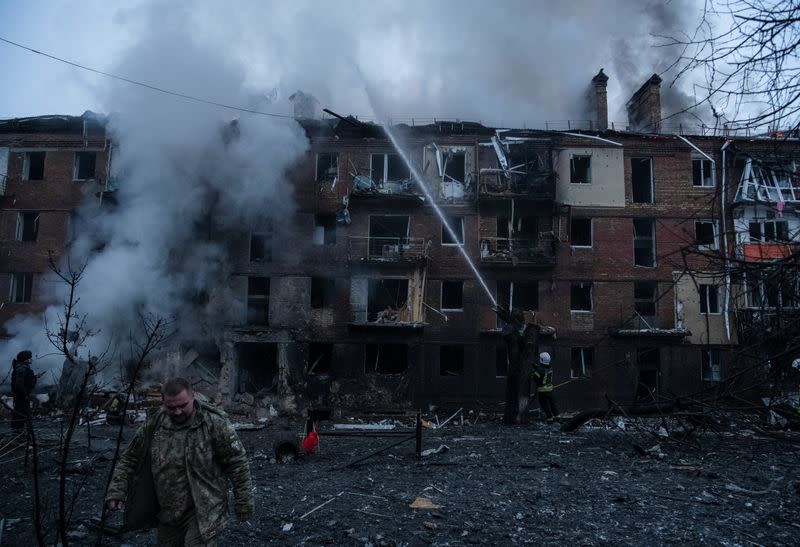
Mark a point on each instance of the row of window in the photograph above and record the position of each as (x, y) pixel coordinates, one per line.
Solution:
(644, 237)
(580, 172)
(393, 359)
(83, 165)
(387, 167)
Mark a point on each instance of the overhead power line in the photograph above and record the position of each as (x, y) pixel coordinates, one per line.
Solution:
(142, 84)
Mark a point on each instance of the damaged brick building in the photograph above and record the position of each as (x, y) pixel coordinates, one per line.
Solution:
(622, 240)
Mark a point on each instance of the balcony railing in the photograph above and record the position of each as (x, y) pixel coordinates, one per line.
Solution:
(760, 325)
(513, 251)
(758, 252)
(496, 183)
(386, 249)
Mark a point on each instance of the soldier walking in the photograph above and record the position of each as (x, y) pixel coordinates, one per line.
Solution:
(193, 453)
(23, 380)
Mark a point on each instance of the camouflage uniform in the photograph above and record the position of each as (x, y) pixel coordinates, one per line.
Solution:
(191, 463)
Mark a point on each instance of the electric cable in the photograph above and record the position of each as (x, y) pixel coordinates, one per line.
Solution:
(142, 84)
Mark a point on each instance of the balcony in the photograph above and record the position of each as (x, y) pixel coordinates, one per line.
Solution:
(759, 252)
(386, 249)
(499, 184)
(650, 327)
(766, 325)
(503, 251)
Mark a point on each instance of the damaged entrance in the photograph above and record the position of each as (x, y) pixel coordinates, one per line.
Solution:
(258, 366)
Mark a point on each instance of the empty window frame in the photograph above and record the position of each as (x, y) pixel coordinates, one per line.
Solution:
(645, 294)
(709, 299)
(388, 168)
(767, 231)
(582, 362)
(452, 295)
(33, 166)
(386, 300)
(451, 360)
(580, 232)
(258, 366)
(320, 357)
(27, 226)
(258, 300)
(518, 295)
(702, 172)
(711, 361)
(774, 288)
(323, 291)
(580, 297)
(500, 361)
(261, 247)
(455, 166)
(385, 358)
(580, 169)
(324, 229)
(644, 242)
(21, 285)
(457, 225)
(642, 180)
(327, 166)
(84, 165)
(705, 234)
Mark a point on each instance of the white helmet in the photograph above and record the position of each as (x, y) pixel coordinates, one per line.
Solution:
(544, 358)
(796, 363)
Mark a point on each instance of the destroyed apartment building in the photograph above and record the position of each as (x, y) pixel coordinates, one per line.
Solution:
(647, 251)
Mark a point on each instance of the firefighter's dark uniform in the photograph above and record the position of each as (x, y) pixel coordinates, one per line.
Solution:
(544, 390)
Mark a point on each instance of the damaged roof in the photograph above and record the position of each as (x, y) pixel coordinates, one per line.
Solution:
(95, 123)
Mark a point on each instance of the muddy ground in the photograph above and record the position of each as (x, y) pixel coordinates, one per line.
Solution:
(496, 485)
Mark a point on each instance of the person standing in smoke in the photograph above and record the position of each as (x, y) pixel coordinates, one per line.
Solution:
(23, 380)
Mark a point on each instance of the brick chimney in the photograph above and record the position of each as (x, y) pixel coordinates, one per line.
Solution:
(644, 108)
(599, 100)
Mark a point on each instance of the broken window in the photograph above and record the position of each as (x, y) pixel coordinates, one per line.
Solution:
(582, 362)
(642, 180)
(320, 357)
(27, 226)
(501, 361)
(457, 225)
(322, 292)
(772, 288)
(580, 297)
(258, 366)
(767, 231)
(712, 365)
(33, 166)
(388, 234)
(644, 298)
(709, 299)
(387, 300)
(21, 285)
(261, 247)
(324, 229)
(580, 232)
(451, 360)
(455, 165)
(258, 300)
(385, 358)
(644, 242)
(702, 172)
(522, 295)
(327, 166)
(388, 168)
(452, 295)
(580, 169)
(84, 165)
(705, 234)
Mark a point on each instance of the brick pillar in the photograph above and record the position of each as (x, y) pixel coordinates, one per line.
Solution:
(599, 84)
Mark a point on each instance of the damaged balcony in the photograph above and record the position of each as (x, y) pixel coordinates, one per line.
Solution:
(449, 173)
(388, 177)
(768, 184)
(520, 169)
(503, 251)
(759, 326)
(641, 327)
(386, 249)
(393, 302)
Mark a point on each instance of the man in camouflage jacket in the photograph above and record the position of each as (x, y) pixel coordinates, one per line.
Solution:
(194, 452)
